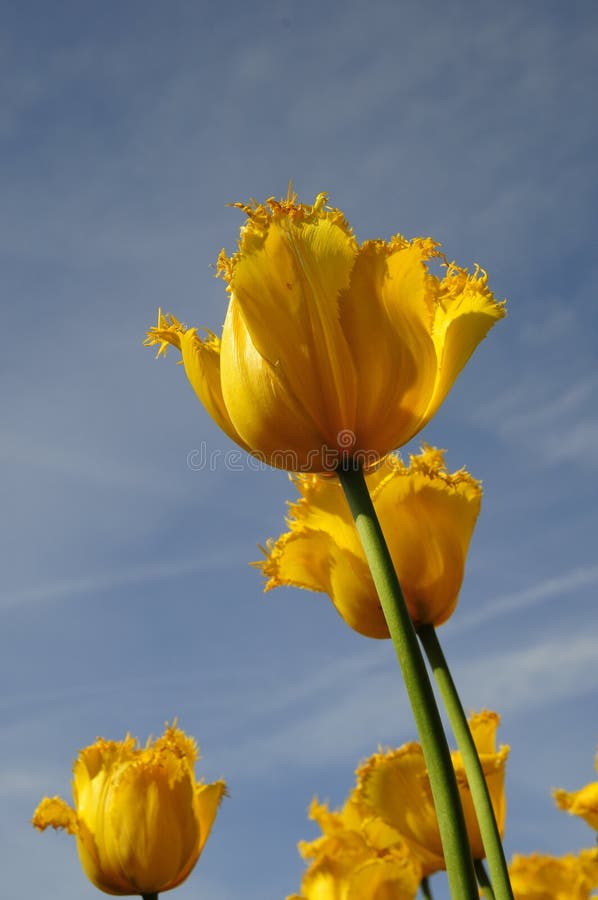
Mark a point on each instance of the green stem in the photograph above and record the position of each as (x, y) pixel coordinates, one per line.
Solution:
(451, 822)
(426, 889)
(471, 763)
(150, 896)
(483, 880)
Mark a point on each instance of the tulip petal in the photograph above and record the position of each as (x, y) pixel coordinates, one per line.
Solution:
(385, 878)
(396, 787)
(465, 313)
(54, 812)
(292, 264)
(261, 402)
(428, 517)
(583, 803)
(386, 314)
(201, 359)
(354, 595)
(208, 798)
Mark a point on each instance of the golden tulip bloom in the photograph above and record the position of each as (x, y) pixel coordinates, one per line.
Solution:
(427, 516)
(583, 803)
(357, 856)
(140, 817)
(395, 786)
(330, 348)
(568, 877)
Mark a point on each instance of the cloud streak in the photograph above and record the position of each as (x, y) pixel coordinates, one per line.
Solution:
(133, 575)
(561, 586)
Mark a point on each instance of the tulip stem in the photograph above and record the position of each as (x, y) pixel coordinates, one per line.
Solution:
(483, 880)
(426, 889)
(451, 822)
(149, 896)
(472, 765)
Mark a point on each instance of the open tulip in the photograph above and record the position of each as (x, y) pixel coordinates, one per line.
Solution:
(427, 516)
(357, 856)
(569, 877)
(140, 817)
(331, 349)
(394, 785)
(583, 803)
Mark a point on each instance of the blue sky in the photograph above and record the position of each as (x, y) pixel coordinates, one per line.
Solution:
(126, 597)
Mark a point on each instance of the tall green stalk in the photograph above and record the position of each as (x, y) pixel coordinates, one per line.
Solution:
(489, 832)
(451, 822)
(483, 880)
(426, 889)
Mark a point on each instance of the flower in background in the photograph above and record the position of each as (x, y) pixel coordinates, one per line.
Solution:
(330, 349)
(427, 516)
(394, 785)
(140, 817)
(357, 856)
(583, 803)
(570, 877)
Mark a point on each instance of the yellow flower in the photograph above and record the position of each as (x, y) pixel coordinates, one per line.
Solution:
(582, 803)
(357, 856)
(330, 349)
(395, 786)
(568, 877)
(140, 817)
(427, 516)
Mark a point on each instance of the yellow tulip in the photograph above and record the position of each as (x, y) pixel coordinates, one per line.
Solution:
(140, 817)
(570, 877)
(427, 516)
(583, 803)
(331, 349)
(395, 786)
(357, 856)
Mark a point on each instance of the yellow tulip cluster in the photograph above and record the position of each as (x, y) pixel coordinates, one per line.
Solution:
(385, 839)
(333, 355)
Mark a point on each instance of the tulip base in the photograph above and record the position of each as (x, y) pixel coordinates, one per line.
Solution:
(451, 822)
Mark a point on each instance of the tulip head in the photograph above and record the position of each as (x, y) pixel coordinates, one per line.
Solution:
(395, 786)
(331, 350)
(538, 877)
(582, 803)
(427, 516)
(356, 856)
(140, 817)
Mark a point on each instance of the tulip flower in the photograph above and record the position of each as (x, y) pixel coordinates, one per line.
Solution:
(357, 856)
(331, 350)
(394, 785)
(427, 516)
(583, 803)
(569, 877)
(140, 817)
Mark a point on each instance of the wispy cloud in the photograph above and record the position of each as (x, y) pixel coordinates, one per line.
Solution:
(358, 714)
(536, 675)
(16, 781)
(561, 587)
(554, 419)
(87, 584)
